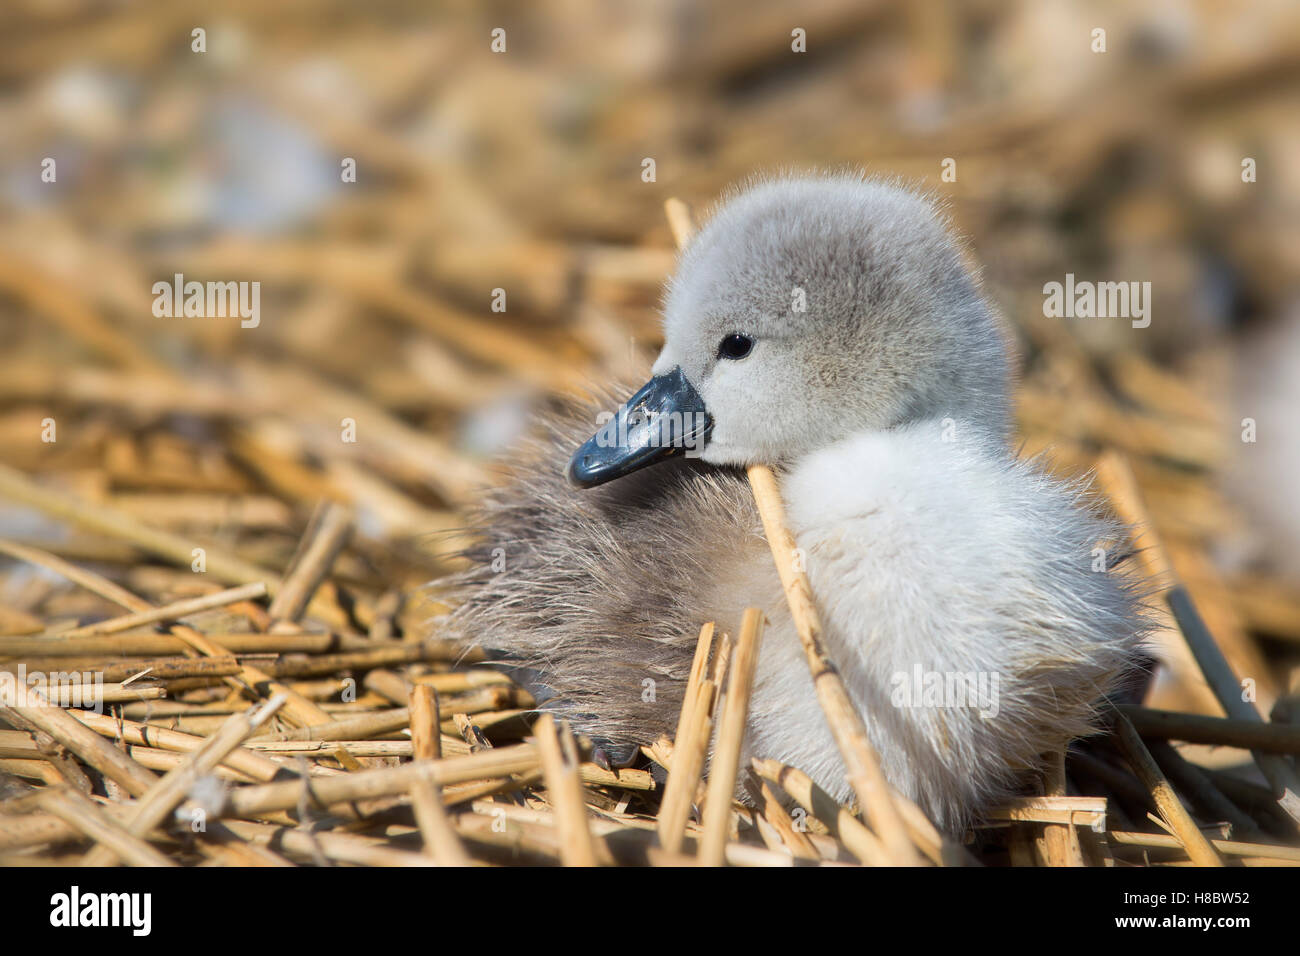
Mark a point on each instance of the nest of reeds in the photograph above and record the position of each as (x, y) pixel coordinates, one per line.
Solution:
(220, 537)
(221, 709)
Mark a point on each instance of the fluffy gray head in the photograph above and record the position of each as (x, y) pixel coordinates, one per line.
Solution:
(861, 312)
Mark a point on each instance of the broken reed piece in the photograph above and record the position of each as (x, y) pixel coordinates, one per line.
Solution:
(440, 839)
(154, 645)
(95, 583)
(1162, 793)
(559, 756)
(165, 668)
(265, 798)
(1208, 800)
(390, 685)
(1060, 840)
(843, 825)
(245, 761)
(725, 767)
(91, 748)
(357, 748)
(168, 793)
(793, 837)
(16, 486)
(299, 710)
(1116, 477)
(861, 763)
(112, 692)
(1219, 731)
(1269, 851)
(680, 221)
(687, 753)
(362, 727)
(470, 733)
(167, 612)
(718, 670)
(1086, 812)
(77, 810)
(327, 536)
(426, 737)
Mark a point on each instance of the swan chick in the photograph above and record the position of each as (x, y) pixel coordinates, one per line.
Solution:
(829, 327)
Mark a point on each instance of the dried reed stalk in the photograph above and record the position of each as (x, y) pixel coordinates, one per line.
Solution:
(426, 738)
(390, 685)
(861, 763)
(1060, 839)
(731, 734)
(78, 811)
(1162, 793)
(168, 668)
(395, 652)
(153, 645)
(323, 542)
(169, 612)
(690, 744)
(1208, 799)
(115, 728)
(116, 524)
(1221, 731)
(95, 583)
(440, 839)
(1227, 847)
(559, 757)
(1117, 477)
(850, 831)
(86, 744)
(315, 847)
(793, 837)
(164, 796)
(351, 728)
(266, 798)
(457, 682)
(1071, 811)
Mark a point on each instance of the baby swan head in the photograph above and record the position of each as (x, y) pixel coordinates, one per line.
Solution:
(806, 310)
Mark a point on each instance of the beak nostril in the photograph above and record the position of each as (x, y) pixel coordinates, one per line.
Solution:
(648, 427)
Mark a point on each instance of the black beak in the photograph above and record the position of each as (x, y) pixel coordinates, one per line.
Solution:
(664, 417)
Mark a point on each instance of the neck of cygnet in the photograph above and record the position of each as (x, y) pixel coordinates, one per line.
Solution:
(962, 421)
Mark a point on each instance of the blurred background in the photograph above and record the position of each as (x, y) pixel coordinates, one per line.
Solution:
(519, 175)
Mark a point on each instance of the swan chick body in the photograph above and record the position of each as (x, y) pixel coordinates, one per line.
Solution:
(961, 592)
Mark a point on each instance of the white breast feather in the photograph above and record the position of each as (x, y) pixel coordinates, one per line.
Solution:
(951, 558)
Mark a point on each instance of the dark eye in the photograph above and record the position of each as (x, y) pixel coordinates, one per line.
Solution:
(735, 346)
